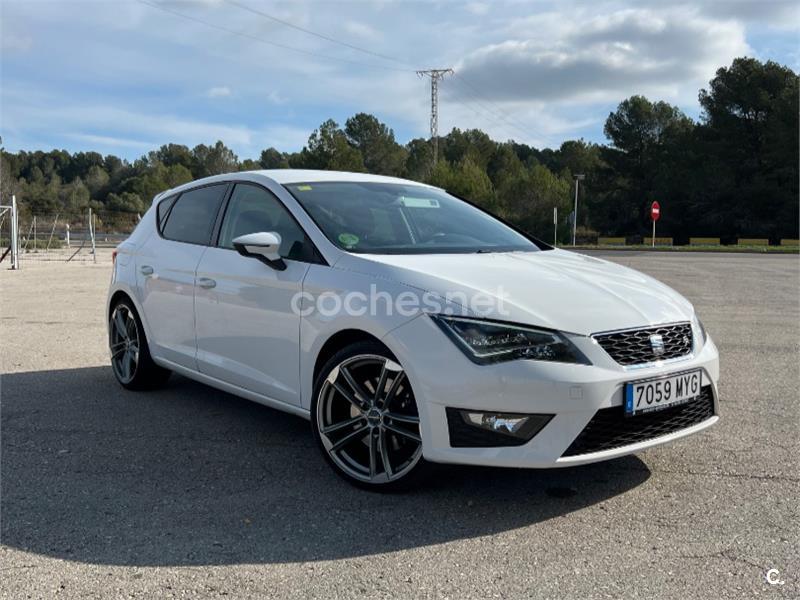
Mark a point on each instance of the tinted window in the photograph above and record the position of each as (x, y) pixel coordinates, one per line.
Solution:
(192, 217)
(163, 211)
(252, 209)
(403, 219)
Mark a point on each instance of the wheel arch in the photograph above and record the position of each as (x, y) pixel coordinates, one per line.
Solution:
(115, 298)
(337, 341)
(122, 292)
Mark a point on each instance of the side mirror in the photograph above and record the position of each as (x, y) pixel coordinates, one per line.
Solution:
(262, 245)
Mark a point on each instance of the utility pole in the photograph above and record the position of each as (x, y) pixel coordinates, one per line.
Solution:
(578, 177)
(435, 75)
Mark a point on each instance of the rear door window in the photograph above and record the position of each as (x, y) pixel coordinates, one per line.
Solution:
(192, 217)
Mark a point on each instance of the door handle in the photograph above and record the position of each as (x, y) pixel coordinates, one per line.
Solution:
(206, 282)
(146, 270)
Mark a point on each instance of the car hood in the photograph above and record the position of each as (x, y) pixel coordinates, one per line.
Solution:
(553, 289)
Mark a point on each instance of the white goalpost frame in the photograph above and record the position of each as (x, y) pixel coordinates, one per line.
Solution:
(14, 219)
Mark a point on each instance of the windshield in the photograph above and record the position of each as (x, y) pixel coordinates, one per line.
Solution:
(391, 218)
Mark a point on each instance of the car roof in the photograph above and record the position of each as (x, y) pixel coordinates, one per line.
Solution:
(288, 176)
(284, 176)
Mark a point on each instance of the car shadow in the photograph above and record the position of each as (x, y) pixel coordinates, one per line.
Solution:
(188, 475)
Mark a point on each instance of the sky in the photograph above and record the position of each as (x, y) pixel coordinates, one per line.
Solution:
(123, 77)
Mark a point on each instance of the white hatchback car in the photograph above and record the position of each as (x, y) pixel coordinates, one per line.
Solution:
(406, 324)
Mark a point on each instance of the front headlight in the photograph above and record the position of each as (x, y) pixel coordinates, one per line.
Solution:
(700, 332)
(489, 342)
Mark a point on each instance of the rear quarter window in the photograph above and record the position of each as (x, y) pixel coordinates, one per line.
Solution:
(162, 211)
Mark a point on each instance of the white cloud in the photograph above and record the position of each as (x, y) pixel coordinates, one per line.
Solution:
(780, 14)
(82, 120)
(219, 92)
(106, 141)
(550, 70)
(608, 57)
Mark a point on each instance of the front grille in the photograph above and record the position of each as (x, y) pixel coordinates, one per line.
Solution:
(635, 347)
(610, 428)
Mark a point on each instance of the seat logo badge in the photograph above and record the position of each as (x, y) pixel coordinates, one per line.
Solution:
(657, 344)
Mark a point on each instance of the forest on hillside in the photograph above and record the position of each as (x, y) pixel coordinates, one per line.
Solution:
(733, 173)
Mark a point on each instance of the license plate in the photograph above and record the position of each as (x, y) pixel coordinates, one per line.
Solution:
(657, 394)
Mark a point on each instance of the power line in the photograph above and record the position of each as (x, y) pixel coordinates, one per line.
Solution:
(495, 112)
(314, 33)
(492, 111)
(468, 100)
(267, 42)
(492, 107)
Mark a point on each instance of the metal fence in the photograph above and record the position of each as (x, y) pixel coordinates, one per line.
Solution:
(72, 237)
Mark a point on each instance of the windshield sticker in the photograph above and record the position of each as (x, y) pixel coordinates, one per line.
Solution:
(303, 188)
(419, 202)
(348, 239)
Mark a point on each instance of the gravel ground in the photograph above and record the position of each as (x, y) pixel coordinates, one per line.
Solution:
(190, 492)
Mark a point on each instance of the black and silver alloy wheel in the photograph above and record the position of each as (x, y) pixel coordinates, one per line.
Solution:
(367, 419)
(124, 344)
(131, 362)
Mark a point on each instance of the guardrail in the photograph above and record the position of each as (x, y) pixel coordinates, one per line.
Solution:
(704, 241)
(611, 241)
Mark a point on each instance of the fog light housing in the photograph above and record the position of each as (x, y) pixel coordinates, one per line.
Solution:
(486, 429)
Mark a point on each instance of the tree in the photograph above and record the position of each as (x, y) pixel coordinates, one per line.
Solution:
(380, 152)
(273, 159)
(248, 164)
(126, 202)
(578, 156)
(97, 181)
(750, 144)
(465, 179)
(528, 198)
(329, 149)
(504, 164)
(736, 172)
(648, 140)
(75, 196)
(419, 160)
(154, 178)
(213, 160)
(174, 154)
(472, 143)
(638, 127)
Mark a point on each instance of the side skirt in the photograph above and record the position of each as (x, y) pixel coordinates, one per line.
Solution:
(233, 389)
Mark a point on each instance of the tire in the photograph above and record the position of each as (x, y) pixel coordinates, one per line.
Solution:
(131, 361)
(370, 439)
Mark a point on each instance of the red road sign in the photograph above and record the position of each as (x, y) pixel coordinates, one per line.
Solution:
(655, 211)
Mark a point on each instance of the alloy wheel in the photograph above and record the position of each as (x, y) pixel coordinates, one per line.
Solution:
(124, 343)
(368, 420)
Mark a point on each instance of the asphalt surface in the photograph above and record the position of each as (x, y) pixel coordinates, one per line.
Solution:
(189, 492)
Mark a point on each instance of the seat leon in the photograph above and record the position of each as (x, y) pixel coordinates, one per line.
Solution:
(407, 325)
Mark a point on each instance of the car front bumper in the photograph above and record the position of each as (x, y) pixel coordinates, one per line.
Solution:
(443, 377)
